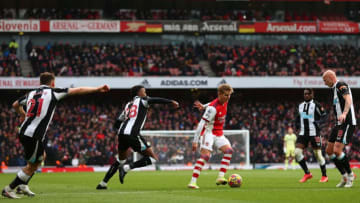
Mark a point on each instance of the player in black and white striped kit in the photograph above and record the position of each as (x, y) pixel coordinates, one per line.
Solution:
(311, 116)
(344, 128)
(130, 122)
(39, 109)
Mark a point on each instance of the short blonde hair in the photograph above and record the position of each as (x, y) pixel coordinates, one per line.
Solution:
(224, 88)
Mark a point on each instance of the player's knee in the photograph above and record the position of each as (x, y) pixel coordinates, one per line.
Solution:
(228, 151)
(31, 168)
(329, 151)
(299, 154)
(206, 157)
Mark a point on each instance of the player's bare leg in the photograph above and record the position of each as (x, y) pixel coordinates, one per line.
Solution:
(300, 159)
(200, 163)
(225, 162)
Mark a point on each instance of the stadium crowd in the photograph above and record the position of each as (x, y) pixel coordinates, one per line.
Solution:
(243, 15)
(9, 63)
(67, 13)
(84, 133)
(183, 60)
(282, 60)
(114, 60)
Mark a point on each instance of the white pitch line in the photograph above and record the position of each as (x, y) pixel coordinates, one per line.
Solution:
(180, 191)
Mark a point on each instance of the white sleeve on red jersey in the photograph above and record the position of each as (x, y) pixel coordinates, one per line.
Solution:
(209, 114)
(206, 105)
(199, 128)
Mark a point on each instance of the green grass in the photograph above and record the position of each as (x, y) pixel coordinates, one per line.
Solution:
(170, 186)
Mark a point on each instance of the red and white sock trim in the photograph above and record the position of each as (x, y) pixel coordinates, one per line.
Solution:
(198, 167)
(225, 162)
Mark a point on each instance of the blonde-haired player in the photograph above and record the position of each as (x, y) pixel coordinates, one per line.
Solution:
(289, 148)
(210, 129)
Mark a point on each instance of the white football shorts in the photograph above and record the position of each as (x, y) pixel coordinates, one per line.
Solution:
(209, 140)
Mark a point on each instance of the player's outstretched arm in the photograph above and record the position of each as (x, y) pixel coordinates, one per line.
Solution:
(159, 100)
(200, 106)
(88, 90)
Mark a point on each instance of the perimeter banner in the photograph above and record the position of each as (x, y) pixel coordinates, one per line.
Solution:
(178, 82)
(84, 26)
(294, 27)
(339, 27)
(19, 25)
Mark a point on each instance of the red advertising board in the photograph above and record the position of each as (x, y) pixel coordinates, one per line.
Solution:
(84, 26)
(115, 26)
(338, 27)
(133, 26)
(295, 27)
(140, 26)
(19, 26)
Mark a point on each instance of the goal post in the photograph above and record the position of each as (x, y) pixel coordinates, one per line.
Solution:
(175, 147)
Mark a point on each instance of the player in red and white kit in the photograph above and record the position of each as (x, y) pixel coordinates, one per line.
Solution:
(210, 132)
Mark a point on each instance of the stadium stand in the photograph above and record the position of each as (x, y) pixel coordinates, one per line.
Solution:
(115, 60)
(282, 60)
(183, 60)
(9, 63)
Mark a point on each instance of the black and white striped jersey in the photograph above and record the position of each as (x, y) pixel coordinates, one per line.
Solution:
(40, 106)
(310, 113)
(339, 90)
(134, 114)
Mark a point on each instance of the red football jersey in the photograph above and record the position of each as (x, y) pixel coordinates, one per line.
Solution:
(215, 115)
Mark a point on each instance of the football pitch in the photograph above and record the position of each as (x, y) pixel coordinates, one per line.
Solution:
(170, 186)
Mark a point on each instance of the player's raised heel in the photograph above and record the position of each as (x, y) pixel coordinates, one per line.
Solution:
(221, 181)
(193, 186)
(305, 178)
(324, 179)
(122, 174)
(9, 193)
(25, 190)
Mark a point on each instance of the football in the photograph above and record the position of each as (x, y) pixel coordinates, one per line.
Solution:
(235, 180)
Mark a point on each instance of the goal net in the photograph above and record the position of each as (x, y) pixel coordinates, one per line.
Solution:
(174, 148)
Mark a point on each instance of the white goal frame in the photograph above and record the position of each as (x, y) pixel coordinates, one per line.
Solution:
(191, 133)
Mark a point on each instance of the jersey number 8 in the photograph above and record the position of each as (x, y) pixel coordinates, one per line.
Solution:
(133, 111)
